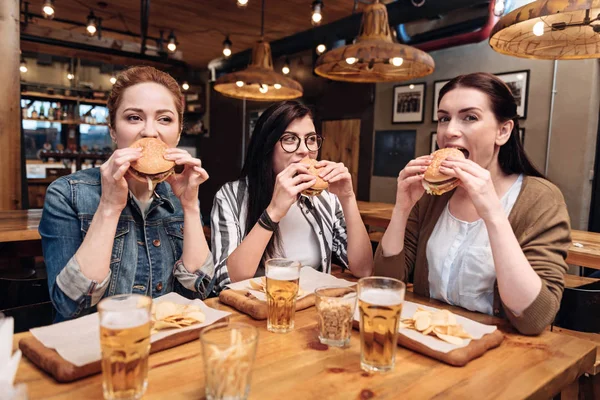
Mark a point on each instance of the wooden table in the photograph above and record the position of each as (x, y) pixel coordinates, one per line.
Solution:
(584, 251)
(19, 225)
(297, 366)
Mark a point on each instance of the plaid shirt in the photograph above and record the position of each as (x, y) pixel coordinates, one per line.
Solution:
(228, 222)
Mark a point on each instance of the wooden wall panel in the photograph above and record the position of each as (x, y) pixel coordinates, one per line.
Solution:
(10, 110)
(342, 144)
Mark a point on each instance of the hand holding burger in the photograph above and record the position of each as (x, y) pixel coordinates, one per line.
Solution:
(436, 182)
(336, 176)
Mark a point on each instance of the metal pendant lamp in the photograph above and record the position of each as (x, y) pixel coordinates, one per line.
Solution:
(259, 81)
(375, 57)
(550, 30)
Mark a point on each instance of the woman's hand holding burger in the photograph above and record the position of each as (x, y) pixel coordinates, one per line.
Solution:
(185, 185)
(289, 183)
(112, 172)
(410, 188)
(477, 181)
(338, 177)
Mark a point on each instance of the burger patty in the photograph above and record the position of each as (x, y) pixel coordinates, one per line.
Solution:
(154, 177)
(441, 182)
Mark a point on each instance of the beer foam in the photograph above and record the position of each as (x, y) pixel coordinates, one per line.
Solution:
(124, 319)
(283, 274)
(382, 297)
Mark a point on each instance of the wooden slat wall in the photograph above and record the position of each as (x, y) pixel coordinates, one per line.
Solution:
(10, 118)
(342, 139)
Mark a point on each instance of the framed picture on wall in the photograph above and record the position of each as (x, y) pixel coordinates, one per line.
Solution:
(518, 82)
(522, 135)
(437, 86)
(409, 103)
(393, 150)
(433, 146)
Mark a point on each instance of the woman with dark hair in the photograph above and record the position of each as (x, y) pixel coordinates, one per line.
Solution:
(264, 215)
(497, 243)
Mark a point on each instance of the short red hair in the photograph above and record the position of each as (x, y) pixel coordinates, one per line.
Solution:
(141, 74)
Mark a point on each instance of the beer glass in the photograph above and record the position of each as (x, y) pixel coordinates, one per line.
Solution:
(228, 351)
(283, 281)
(335, 309)
(125, 343)
(380, 304)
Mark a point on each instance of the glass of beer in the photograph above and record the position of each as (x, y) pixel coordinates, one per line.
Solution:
(125, 343)
(228, 351)
(283, 281)
(380, 304)
(335, 309)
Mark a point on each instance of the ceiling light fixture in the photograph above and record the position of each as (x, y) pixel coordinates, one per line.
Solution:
(185, 86)
(286, 67)
(242, 3)
(550, 30)
(258, 76)
(92, 24)
(23, 65)
(317, 12)
(113, 80)
(375, 56)
(321, 49)
(227, 47)
(70, 76)
(48, 9)
(172, 45)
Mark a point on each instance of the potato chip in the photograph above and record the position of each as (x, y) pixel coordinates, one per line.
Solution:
(165, 309)
(440, 323)
(198, 316)
(450, 339)
(158, 325)
(256, 286)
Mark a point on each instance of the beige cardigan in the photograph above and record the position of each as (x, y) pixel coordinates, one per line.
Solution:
(541, 224)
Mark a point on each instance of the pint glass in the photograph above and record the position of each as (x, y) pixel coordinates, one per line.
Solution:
(380, 304)
(283, 281)
(125, 343)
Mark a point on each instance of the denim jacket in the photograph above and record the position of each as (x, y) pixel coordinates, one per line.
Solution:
(146, 254)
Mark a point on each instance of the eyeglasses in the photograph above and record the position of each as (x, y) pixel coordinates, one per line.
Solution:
(290, 142)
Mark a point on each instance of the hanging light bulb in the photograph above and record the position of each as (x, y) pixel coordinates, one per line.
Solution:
(351, 60)
(242, 3)
(227, 47)
(396, 61)
(239, 84)
(172, 45)
(263, 88)
(411, 86)
(70, 76)
(317, 16)
(48, 9)
(286, 67)
(499, 8)
(92, 26)
(321, 49)
(538, 28)
(23, 66)
(185, 86)
(113, 80)
(277, 86)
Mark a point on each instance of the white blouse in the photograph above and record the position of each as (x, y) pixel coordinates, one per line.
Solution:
(461, 266)
(300, 243)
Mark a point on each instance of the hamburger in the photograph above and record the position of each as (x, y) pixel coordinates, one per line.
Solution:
(434, 181)
(151, 167)
(319, 184)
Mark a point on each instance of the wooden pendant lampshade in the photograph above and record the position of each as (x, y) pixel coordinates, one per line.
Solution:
(375, 57)
(259, 81)
(550, 30)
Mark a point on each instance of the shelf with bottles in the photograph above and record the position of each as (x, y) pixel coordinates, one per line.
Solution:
(63, 94)
(40, 110)
(65, 121)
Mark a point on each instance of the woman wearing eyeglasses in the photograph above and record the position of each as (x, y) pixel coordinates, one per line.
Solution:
(263, 214)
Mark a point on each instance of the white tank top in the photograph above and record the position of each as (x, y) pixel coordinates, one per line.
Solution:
(461, 266)
(300, 243)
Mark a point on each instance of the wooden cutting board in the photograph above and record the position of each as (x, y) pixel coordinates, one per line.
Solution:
(459, 357)
(245, 302)
(63, 371)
